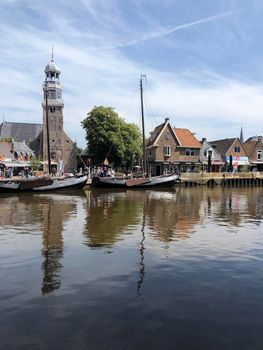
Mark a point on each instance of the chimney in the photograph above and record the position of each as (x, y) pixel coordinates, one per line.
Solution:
(166, 120)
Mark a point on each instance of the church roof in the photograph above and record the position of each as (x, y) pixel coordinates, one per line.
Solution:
(20, 131)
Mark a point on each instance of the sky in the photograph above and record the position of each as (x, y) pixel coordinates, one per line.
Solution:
(203, 61)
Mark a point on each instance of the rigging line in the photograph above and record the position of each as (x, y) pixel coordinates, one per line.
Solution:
(79, 154)
(151, 114)
(27, 113)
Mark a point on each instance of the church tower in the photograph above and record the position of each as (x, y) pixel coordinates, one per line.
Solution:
(62, 151)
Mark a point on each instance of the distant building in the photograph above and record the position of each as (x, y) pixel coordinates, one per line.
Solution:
(62, 148)
(233, 154)
(207, 151)
(15, 155)
(254, 149)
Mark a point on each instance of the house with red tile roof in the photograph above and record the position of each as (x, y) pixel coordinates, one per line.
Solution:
(170, 148)
(188, 150)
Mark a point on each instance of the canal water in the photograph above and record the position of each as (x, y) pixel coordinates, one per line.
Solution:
(178, 269)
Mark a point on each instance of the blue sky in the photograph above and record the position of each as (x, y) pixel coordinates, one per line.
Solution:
(203, 60)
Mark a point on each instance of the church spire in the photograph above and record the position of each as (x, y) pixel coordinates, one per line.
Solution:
(241, 135)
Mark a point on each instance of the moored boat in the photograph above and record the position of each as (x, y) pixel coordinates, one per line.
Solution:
(108, 182)
(61, 184)
(24, 185)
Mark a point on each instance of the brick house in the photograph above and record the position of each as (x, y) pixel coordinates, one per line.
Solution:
(160, 149)
(187, 153)
(254, 150)
(232, 151)
(170, 148)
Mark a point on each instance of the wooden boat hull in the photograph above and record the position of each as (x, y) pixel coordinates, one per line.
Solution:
(24, 185)
(61, 184)
(155, 181)
(108, 182)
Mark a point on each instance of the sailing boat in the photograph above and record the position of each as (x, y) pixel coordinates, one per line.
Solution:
(145, 181)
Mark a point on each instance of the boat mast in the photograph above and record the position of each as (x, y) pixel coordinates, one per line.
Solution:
(143, 129)
(47, 126)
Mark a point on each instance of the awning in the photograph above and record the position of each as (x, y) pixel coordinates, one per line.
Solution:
(16, 164)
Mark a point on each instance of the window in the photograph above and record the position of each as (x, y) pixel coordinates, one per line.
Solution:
(150, 152)
(259, 156)
(210, 153)
(167, 151)
(190, 152)
(52, 94)
(237, 149)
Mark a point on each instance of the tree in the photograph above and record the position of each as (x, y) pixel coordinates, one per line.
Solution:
(35, 164)
(109, 136)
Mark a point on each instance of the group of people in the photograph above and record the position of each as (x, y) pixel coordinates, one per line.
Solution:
(10, 172)
(101, 171)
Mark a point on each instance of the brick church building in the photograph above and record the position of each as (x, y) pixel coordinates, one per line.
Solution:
(62, 148)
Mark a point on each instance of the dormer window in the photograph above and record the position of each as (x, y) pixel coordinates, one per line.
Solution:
(259, 155)
(190, 152)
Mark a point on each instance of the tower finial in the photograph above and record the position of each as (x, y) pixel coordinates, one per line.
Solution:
(52, 54)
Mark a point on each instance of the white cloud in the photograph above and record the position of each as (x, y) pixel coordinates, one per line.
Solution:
(206, 102)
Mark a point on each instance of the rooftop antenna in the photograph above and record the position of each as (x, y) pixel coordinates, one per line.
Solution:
(3, 116)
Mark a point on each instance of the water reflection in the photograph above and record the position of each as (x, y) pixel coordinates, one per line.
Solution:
(185, 270)
(109, 216)
(169, 215)
(141, 254)
(49, 213)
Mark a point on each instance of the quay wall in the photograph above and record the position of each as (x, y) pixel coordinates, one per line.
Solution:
(224, 179)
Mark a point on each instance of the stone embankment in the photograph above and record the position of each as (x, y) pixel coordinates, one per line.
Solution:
(223, 179)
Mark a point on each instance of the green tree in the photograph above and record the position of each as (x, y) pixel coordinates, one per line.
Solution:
(35, 164)
(109, 136)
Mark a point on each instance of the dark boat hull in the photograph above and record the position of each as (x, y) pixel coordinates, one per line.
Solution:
(61, 184)
(42, 185)
(23, 185)
(108, 182)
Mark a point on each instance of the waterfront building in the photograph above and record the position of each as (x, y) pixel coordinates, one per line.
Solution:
(187, 152)
(62, 148)
(14, 156)
(254, 150)
(233, 154)
(206, 152)
(172, 148)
